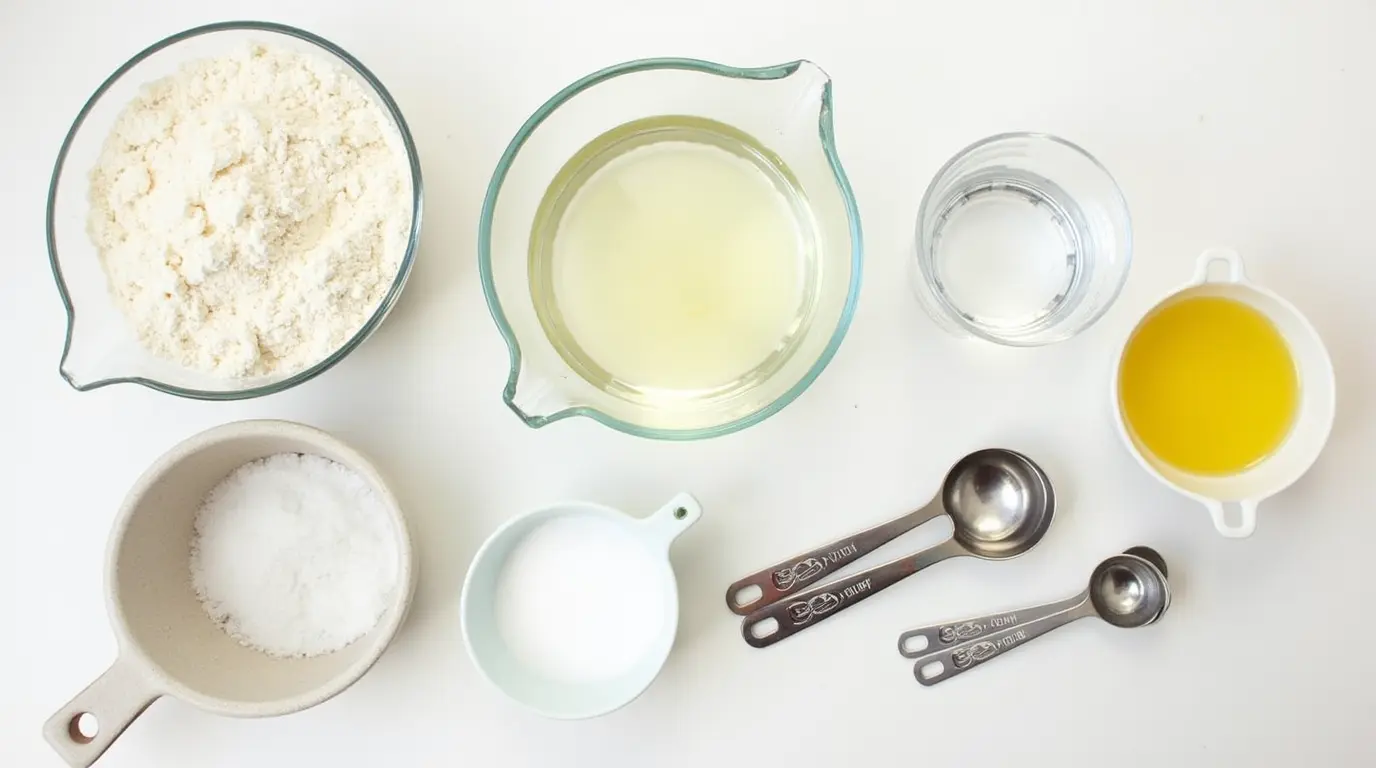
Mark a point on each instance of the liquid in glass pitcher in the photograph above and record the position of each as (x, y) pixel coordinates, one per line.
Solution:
(671, 247)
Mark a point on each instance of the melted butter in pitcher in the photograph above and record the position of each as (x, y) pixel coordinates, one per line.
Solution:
(1208, 386)
(674, 258)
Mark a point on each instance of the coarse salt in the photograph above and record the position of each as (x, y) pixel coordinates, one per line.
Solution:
(294, 555)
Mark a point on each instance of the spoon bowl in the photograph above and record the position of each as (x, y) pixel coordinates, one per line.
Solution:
(1151, 556)
(1128, 591)
(1155, 558)
(1000, 502)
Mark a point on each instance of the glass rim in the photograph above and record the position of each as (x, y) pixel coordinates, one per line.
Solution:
(1118, 199)
(508, 158)
(374, 320)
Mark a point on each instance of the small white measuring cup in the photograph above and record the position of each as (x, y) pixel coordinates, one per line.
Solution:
(168, 645)
(564, 699)
(1243, 491)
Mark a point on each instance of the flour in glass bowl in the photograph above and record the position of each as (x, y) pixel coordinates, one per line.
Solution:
(251, 211)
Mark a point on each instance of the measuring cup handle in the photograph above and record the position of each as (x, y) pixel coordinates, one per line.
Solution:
(779, 580)
(115, 700)
(666, 523)
(1246, 517)
(950, 633)
(933, 668)
(1226, 256)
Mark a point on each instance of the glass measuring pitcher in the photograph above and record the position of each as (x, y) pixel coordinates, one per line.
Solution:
(671, 247)
(101, 346)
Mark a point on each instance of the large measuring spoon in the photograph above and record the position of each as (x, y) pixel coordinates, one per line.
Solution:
(1125, 590)
(1000, 507)
(925, 641)
(779, 580)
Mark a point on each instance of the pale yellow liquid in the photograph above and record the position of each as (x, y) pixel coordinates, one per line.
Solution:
(679, 266)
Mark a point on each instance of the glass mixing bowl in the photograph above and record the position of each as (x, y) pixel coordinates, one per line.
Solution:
(776, 120)
(100, 347)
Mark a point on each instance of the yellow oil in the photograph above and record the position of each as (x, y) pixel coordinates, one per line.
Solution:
(1208, 386)
(673, 258)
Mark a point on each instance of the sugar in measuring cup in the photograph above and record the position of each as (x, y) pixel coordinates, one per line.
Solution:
(571, 610)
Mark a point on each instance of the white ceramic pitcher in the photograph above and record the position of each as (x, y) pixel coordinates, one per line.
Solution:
(1232, 499)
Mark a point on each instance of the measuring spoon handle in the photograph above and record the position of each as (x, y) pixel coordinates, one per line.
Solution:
(972, 653)
(779, 580)
(810, 607)
(949, 633)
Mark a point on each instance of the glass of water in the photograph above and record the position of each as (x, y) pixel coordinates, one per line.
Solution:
(1023, 239)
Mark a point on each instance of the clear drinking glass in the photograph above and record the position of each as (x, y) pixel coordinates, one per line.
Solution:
(1023, 239)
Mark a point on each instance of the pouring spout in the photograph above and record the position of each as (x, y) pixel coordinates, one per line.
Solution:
(810, 81)
(797, 99)
(97, 352)
(101, 350)
(536, 399)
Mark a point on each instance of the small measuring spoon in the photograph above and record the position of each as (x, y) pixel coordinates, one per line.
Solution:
(1125, 590)
(1153, 557)
(1000, 508)
(926, 640)
(778, 580)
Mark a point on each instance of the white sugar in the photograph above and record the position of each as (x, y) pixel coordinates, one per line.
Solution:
(580, 599)
(294, 555)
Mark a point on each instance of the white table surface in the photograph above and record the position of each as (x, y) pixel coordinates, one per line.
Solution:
(1237, 123)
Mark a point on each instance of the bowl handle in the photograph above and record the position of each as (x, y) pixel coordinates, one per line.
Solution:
(1226, 256)
(115, 700)
(667, 522)
(1247, 517)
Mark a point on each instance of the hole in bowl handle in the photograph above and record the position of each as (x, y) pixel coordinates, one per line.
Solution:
(1246, 517)
(1225, 256)
(667, 522)
(115, 700)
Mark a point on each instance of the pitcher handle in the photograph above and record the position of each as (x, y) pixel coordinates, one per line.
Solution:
(1247, 517)
(1226, 256)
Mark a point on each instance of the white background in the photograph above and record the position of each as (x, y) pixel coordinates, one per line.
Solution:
(1239, 123)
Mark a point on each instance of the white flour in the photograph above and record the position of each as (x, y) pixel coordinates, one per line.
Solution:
(294, 555)
(579, 599)
(251, 211)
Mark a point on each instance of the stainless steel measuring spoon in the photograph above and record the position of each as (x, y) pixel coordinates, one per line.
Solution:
(1125, 590)
(925, 641)
(999, 509)
(779, 580)
(1155, 558)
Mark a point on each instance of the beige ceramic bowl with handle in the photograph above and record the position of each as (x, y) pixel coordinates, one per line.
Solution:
(1232, 499)
(168, 645)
